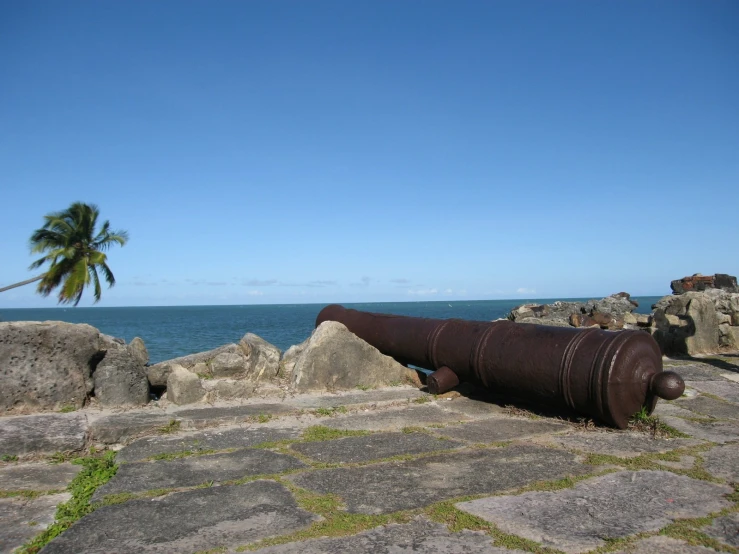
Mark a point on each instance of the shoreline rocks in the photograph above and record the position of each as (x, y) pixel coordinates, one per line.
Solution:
(52, 365)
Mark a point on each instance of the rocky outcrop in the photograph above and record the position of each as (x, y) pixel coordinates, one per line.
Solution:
(697, 322)
(229, 372)
(699, 283)
(334, 358)
(612, 312)
(46, 365)
(252, 359)
(52, 365)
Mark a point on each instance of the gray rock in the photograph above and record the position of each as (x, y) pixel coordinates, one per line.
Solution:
(702, 314)
(183, 387)
(420, 536)
(665, 408)
(231, 361)
(719, 432)
(388, 487)
(158, 374)
(42, 434)
(394, 420)
(46, 365)
(196, 470)
(662, 544)
(493, 430)
(287, 363)
(617, 305)
(212, 439)
(263, 357)
(137, 348)
(120, 379)
(711, 407)
(621, 444)
(373, 447)
(37, 476)
(186, 522)
(723, 462)
(22, 519)
(122, 427)
(576, 520)
(724, 389)
(335, 358)
(725, 529)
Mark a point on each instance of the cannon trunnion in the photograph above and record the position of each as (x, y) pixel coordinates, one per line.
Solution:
(607, 375)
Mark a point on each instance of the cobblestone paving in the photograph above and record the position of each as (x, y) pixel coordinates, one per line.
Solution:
(392, 470)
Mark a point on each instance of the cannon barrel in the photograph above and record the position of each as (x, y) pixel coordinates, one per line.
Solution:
(607, 375)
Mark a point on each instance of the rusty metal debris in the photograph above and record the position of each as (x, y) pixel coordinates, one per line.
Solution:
(607, 375)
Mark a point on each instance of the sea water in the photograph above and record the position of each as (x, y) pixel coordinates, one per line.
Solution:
(173, 331)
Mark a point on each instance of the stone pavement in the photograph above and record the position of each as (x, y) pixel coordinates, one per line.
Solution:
(380, 471)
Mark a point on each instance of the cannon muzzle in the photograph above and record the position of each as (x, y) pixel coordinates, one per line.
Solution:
(607, 375)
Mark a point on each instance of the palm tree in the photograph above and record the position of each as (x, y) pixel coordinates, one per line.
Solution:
(75, 252)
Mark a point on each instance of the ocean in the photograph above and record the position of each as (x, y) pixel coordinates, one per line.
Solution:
(173, 331)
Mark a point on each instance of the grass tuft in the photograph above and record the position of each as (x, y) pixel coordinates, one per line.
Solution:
(172, 427)
(322, 433)
(96, 471)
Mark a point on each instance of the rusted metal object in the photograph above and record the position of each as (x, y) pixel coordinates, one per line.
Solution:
(607, 375)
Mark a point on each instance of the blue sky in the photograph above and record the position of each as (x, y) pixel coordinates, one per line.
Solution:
(289, 151)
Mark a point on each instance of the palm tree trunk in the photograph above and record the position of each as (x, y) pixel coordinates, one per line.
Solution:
(38, 278)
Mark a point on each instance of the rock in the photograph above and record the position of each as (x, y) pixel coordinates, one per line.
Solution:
(726, 337)
(725, 529)
(138, 350)
(582, 320)
(263, 357)
(701, 314)
(699, 282)
(287, 364)
(336, 358)
(630, 319)
(723, 319)
(46, 365)
(183, 387)
(158, 374)
(616, 305)
(253, 358)
(643, 320)
(120, 379)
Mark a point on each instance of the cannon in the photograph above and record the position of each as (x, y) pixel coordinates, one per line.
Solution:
(607, 375)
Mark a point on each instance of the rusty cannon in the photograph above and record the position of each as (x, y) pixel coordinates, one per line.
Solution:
(607, 375)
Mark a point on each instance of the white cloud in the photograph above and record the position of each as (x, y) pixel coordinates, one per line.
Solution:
(448, 291)
(422, 292)
(255, 293)
(524, 290)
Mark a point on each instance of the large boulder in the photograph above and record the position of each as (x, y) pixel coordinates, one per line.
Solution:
(697, 322)
(138, 349)
(335, 358)
(46, 365)
(263, 357)
(120, 377)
